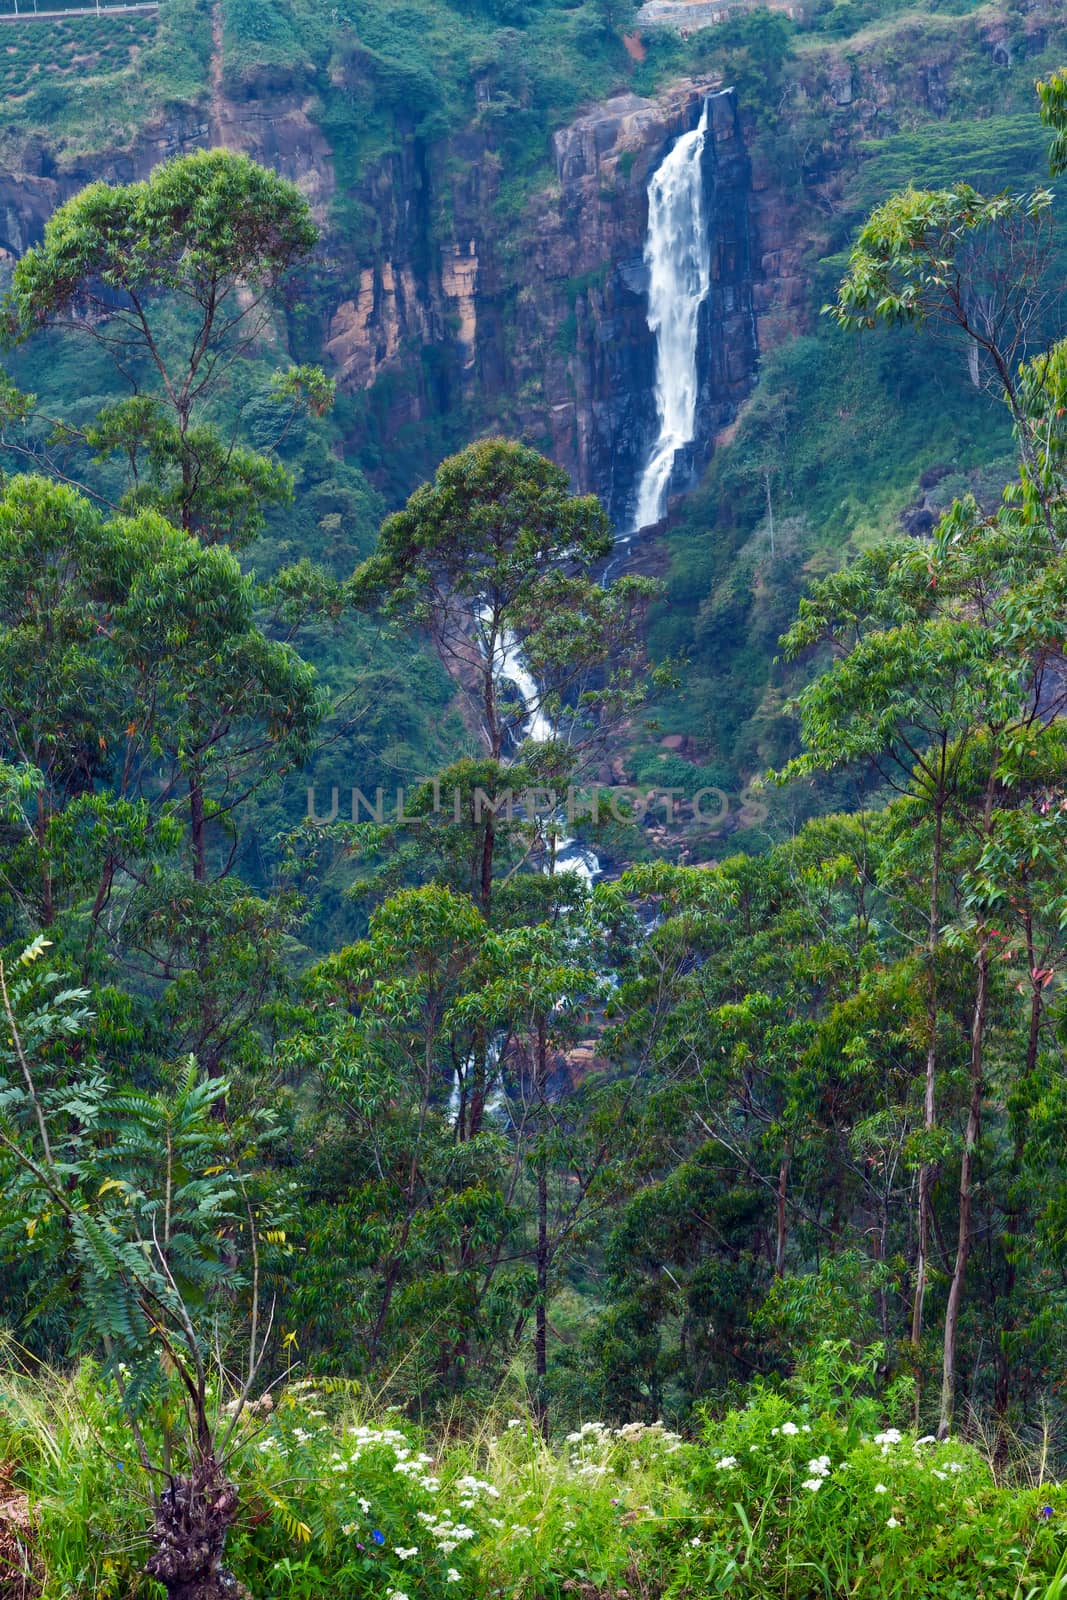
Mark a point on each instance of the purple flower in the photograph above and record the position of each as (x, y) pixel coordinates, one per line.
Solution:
(360, 1546)
(378, 1536)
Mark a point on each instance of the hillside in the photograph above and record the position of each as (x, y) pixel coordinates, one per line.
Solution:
(533, 783)
(475, 274)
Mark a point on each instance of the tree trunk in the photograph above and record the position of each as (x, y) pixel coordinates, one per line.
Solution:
(479, 1071)
(1013, 1222)
(929, 1097)
(192, 1518)
(47, 908)
(779, 1248)
(197, 828)
(541, 1307)
(963, 1245)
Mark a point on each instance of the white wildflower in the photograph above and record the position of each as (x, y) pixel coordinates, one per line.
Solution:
(880, 1488)
(892, 1522)
(726, 1464)
(790, 1428)
(813, 1484)
(406, 1551)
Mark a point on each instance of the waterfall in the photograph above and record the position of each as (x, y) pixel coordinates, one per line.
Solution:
(570, 855)
(679, 268)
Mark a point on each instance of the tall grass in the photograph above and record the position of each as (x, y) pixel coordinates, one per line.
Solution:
(797, 1495)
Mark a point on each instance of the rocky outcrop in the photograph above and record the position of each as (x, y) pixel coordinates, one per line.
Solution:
(598, 364)
(537, 327)
(280, 134)
(543, 332)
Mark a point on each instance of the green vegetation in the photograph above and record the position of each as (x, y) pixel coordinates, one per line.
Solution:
(816, 1483)
(94, 82)
(326, 1143)
(837, 441)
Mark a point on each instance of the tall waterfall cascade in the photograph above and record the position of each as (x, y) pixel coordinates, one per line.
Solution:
(678, 258)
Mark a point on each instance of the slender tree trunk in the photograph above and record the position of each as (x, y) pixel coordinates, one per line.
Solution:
(197, 827)
(770, 505)
(929, 1095)
(1013, 1222)
(880, 1234)
(780, 1242)
(541, 1308)
(480, 1048)
(188, 479)
(963, 1244)
(47, 906)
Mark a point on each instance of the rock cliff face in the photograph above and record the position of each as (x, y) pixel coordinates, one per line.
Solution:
(543, 329)
(590, 283)
(279, 133)
(537, 327)
(439, 294)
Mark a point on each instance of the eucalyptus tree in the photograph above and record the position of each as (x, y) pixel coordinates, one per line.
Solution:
(956, 260)
(142, 705)
(197, 700)
(418, 1230)
(177, 278)
(494, 559)
(959, 671)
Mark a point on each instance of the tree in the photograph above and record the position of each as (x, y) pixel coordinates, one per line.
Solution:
(154, 1226)
(427, 1218)
(176, 277)
(955, 259)
(132, 666)
(1053, 98)
(494, 559)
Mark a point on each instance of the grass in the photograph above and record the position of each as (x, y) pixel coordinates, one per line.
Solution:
(808, 1491)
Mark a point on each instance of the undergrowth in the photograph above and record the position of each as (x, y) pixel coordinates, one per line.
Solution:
(809, 1491)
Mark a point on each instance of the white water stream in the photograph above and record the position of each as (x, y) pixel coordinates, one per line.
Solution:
(678, 258)
(570, 855)
(679, 262)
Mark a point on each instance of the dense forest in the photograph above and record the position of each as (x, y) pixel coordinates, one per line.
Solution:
(532, 1057)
